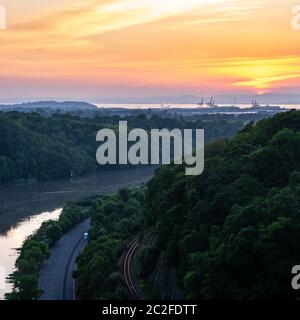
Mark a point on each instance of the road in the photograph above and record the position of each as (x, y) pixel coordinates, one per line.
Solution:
(132, 287)
(56, 279)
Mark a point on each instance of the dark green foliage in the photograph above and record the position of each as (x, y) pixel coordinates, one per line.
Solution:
(116, 219)
(43, 148)
(32, 146)
(233, 232)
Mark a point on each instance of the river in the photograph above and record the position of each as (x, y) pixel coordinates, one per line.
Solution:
(23, 208)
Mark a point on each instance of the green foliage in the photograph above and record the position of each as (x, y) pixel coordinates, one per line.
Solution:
(61, 145)
(233, 232)
(115, 219)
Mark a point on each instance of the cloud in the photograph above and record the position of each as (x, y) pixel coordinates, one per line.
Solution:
(221, 44)
(261, 73)
(93, 17)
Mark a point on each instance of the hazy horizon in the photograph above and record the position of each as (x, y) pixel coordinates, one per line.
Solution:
(181, 99)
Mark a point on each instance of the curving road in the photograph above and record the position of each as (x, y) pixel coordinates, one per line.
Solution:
(127, 270)
(56, 279)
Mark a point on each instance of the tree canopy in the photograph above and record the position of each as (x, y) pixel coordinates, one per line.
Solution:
(236, 228)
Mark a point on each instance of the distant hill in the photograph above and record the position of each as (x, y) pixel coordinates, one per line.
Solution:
(53, 105)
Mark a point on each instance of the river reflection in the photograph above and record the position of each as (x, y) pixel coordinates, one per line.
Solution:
(24, 208)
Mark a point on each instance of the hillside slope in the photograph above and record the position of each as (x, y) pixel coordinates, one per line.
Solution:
(58, 146)
(233, 232)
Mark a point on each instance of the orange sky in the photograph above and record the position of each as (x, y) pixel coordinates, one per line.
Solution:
(89, 49)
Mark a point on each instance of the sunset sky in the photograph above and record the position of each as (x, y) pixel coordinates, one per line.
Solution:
(89, 49)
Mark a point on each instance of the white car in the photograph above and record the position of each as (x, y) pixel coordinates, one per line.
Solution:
(86, 236)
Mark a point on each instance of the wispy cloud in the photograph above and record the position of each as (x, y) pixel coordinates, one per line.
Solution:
(94, 17)
(221, 44)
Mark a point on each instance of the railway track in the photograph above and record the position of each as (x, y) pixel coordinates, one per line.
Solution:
(127, 270)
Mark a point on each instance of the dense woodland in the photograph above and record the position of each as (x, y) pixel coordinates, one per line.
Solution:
(36, 147)
(231, 233)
